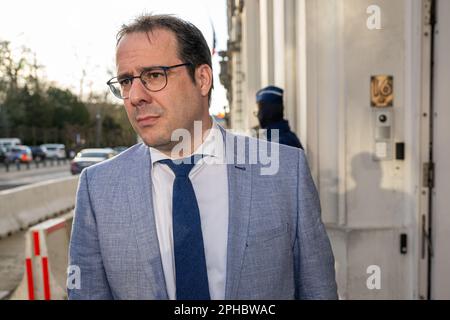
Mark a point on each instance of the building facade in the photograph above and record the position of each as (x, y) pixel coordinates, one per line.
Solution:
(365, 90)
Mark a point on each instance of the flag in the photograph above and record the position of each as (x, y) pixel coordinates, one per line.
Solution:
(213, 51)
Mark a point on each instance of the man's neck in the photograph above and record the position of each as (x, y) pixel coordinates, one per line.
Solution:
(198, 134)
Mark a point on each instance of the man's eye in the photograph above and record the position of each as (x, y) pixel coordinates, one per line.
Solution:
(124, 82)
(153, 75)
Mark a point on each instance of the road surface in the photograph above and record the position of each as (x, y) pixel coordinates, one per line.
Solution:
(15, 178)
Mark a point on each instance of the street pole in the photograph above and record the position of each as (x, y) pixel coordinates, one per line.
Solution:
(98, 128)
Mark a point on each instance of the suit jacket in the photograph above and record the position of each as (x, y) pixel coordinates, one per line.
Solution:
(277, 244)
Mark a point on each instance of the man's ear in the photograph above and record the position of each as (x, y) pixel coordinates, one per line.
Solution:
(204, 79)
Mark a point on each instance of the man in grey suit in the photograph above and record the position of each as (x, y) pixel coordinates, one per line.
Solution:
(217, 224)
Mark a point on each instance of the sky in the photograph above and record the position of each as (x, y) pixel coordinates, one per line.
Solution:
(72, 38)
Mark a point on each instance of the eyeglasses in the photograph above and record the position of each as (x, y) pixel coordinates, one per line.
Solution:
(154, 79)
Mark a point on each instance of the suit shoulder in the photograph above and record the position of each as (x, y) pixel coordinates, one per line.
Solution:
(117, 162)
(286, 156)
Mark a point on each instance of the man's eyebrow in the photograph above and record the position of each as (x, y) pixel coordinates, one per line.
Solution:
(128, 74)
(124, 75)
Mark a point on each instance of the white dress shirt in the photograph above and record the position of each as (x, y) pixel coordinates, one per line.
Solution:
(210, 181)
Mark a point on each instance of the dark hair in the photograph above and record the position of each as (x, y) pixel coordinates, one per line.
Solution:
(191, 45)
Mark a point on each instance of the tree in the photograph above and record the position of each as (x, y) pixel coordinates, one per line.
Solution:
(37, 112)
(67, 109)
(17, 76)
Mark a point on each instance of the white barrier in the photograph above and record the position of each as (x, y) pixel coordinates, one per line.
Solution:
(25, 206)
(46, 261)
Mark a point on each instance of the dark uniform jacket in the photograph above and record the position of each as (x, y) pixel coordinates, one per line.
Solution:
(286, 136)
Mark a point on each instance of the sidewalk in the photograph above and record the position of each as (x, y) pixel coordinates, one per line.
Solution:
(12, 255)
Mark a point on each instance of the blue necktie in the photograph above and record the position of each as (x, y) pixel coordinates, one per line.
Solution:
(190, 264)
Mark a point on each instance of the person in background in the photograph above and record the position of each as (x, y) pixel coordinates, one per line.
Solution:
(270, 116)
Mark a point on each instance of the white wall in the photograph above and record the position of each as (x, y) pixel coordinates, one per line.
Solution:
(322, 53)
(366, 204)
(246, 69)
(266, 38)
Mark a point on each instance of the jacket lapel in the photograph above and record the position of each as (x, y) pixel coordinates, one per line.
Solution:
(140, 202)
(239, 191)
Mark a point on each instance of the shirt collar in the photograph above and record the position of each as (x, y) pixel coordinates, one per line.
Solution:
(212, 146)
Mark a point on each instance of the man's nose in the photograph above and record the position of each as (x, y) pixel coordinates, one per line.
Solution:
(139, 94)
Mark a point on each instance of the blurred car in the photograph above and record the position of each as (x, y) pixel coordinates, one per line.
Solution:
(88, 157)
(7, 143)
(120, 149)
(38, 153)
(54, 150)
(70, 153)
(19, 154)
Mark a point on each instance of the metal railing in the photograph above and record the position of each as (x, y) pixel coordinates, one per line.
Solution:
(19, 166)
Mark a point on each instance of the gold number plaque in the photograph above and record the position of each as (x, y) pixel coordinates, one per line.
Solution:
(382, 91)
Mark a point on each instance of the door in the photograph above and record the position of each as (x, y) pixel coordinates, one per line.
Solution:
(440, 218)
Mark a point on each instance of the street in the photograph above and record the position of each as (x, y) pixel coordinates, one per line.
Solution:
(15, 178)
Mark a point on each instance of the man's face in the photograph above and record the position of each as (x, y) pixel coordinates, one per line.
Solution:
(155, 115)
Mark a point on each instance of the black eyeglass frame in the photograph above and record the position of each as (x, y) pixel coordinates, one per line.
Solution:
(114, 80)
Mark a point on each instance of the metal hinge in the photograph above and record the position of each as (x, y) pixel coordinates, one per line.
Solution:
(428, 175)
(426, 239)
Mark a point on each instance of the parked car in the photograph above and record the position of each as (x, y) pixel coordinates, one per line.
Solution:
(54, 150)
(38, 153)
(19, 154)
(88, 157)
(7, 143)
